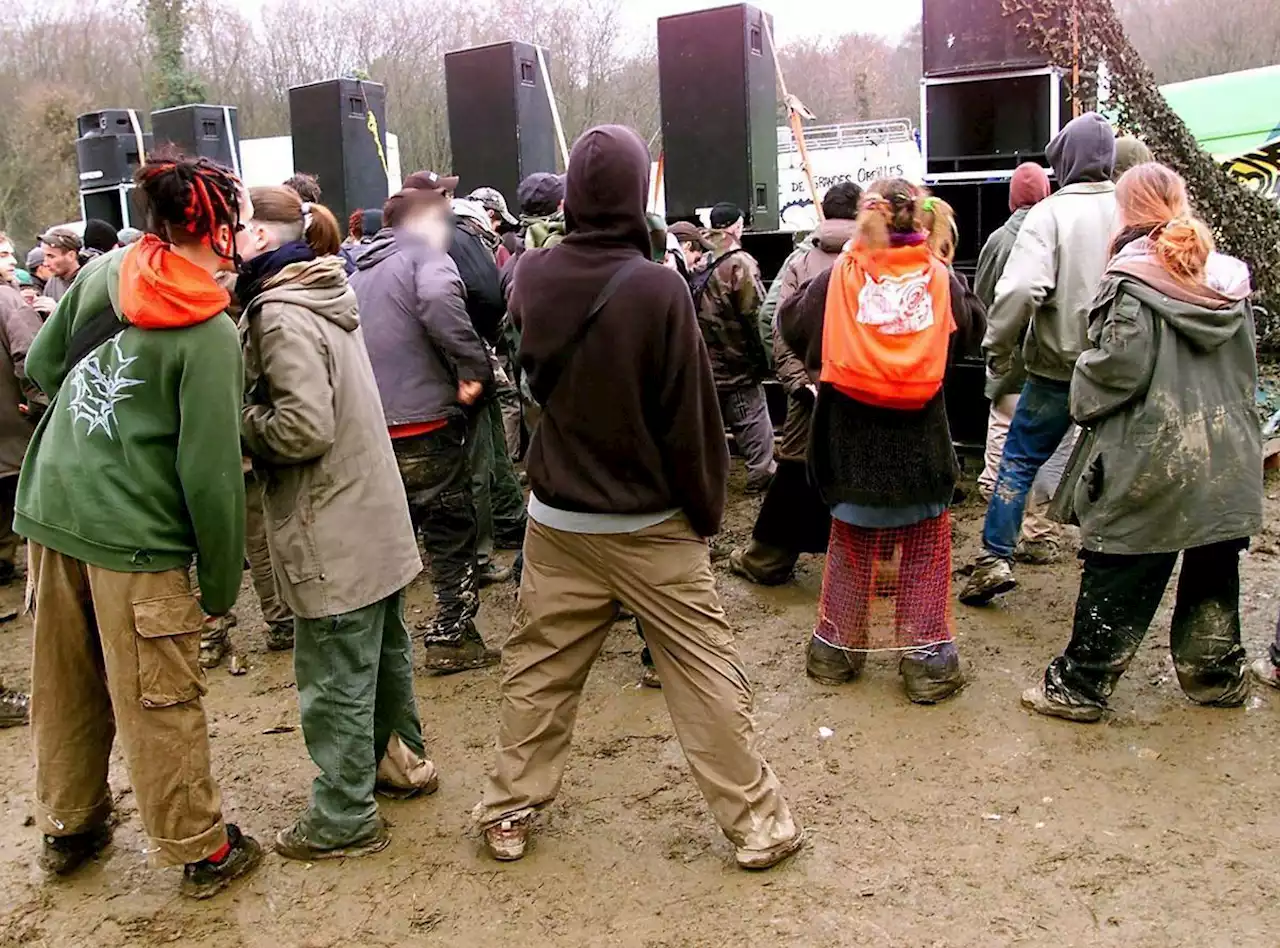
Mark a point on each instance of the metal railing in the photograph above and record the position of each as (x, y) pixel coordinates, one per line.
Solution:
(848, 134)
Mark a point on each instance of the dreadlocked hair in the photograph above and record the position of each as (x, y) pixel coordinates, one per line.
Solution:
(189, 200)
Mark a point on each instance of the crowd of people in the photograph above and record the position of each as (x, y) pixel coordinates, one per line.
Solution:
(244, 381)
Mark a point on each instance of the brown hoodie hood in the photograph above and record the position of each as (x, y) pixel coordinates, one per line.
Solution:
(606, 188)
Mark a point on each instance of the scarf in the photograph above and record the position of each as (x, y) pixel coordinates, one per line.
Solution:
(255, 274)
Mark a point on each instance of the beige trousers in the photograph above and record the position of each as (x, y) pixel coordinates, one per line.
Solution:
(567, 604)
(118, 653)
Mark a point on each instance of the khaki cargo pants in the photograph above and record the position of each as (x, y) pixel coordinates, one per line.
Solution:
(567, 604)
(118, 652)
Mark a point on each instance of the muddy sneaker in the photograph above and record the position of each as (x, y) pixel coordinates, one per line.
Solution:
(403, 774)
(757, 860)
(292, 843)
(280, 637)
(1038, 552)
(1037, 699)
(738, 566)
(215, 640)
(63, 855)
(649, 678)
(991, 577)
(447, 657)
(931, 677)
(507, 841)
(491, 574)
(829, 665)
(206, 878)
(15, 708)
(1262, 671)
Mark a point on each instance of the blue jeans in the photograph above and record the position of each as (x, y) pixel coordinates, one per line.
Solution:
(1042, 419)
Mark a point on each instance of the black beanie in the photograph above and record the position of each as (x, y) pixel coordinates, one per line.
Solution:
(99, 236)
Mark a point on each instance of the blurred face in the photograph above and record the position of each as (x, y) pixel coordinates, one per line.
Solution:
(432, 224)
(61, 263)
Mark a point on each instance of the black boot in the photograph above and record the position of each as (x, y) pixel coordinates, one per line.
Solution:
(205, 879)
(832, 666)
(63, 855)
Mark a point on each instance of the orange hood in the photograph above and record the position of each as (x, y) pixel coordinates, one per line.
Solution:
(161, 290)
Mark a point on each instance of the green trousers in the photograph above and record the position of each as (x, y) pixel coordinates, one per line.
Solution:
(495, 488)
(355, 688)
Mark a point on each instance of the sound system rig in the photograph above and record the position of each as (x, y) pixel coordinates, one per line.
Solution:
(717, 86)
(501, 127)
(339, 130)
(201, 131)
(110, 146)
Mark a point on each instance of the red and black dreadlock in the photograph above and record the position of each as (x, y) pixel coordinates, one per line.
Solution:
(193, 195)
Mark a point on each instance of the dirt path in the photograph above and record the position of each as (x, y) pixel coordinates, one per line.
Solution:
(972, 823)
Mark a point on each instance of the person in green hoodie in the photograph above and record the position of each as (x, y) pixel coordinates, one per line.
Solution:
(133, 473)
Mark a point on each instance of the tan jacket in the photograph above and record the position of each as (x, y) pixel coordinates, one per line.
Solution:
(337, 519)
(18, 326)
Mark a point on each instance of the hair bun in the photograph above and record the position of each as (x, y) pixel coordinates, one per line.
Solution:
(1183, 245)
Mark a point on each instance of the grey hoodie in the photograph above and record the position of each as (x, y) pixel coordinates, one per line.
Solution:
(1173, 452)
(1085, 150)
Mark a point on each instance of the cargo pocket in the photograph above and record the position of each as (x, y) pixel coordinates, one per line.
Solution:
(168, 630)
(296, 549)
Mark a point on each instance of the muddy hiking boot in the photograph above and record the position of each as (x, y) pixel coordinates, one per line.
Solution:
(206, 878)
(991, 577)
(292, 843)
(931, 675)
(758, 860)
(1263, 671)
(63, 855)
(739, 565)
(1038, 552)
(492, 574)
(15, 708)
(829, 665)
(215, 640)
(458, 649)
(1038, 699)
(280, 637)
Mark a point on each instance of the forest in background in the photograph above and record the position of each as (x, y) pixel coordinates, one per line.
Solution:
(58, 60)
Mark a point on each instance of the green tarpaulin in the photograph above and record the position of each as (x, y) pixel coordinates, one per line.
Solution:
(1231, 114)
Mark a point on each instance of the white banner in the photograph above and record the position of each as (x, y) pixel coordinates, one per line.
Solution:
(861, 164)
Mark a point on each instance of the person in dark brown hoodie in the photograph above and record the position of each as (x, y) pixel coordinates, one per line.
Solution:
(628, 469)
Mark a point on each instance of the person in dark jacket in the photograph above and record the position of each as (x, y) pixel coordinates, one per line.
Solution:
(1172, 464)
(430, 366)
(880, 451)
(625, 490)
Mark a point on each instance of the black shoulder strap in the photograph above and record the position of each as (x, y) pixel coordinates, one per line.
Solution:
(101, 327)
(549, 376)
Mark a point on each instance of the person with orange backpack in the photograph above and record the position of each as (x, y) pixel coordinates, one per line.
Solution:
(877, 332)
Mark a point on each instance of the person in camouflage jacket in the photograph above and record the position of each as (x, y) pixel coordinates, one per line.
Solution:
(728, 299)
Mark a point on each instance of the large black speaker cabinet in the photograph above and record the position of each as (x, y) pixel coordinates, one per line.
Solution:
(107, 152)
(339, 132)
(719, 113)
(963, 36)
(992, 123)
(201, 131)
(500, 123)
(118, 206)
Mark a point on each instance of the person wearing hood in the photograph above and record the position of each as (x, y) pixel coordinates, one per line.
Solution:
(134, 472)
(20, 402)
(626, 489)
(431, 368)
(1172, 464)
(1027, 188)
(1041, 306)
(1130, 152)
(793, 519)
(337, 523)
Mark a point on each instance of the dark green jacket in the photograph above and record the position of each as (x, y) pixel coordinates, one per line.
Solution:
(1173, 452)
(136, 465)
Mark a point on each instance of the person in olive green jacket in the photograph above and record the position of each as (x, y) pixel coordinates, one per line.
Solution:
(1172, 462)
(338, 524)
(134, 472)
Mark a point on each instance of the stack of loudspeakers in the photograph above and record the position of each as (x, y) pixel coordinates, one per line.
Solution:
(200, 131)
(500, 123)
(110, 146)
(717, 85)
(339, 130)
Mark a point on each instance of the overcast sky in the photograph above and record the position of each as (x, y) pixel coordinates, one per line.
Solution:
(796, 18)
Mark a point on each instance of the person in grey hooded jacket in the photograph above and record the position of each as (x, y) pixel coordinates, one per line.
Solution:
(1172, 461)
(1042, 302)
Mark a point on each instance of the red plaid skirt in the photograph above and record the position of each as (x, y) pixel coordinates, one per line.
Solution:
(888, 588)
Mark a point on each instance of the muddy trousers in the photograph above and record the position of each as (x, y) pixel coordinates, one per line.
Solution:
(355, 689)
(572, 583)
(274, 611)
(436, 472)
(117, 654)
(495, 489)
(1119, 596)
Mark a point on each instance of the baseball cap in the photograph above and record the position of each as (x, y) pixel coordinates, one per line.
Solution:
(35, 258)
(688, 233)
(725, 214)
(541, 193)
(62, 238)
(492, 199)
(430, 181)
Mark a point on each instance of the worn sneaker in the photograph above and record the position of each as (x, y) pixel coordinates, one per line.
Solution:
(292, 843)
(15, 708)
(757, 860)
(649, 677)
(491, 574)
(738, 566)
(930, 679)
(445, 657)
(206, 878)
(280, 637)
(829, 665)
(991, 577)
(63, 855)
(1265, 673)
(215, 640)
(1037, 699)
(1038, 552)
(507, 841)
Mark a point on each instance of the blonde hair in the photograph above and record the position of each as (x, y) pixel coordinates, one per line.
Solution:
(938, 218)
(1153, 198)
(889, 206)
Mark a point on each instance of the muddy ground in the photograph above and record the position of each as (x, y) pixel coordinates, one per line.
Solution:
(973, 823)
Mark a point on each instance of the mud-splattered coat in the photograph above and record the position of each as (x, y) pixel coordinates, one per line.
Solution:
(728, 312)
(1173, 458)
